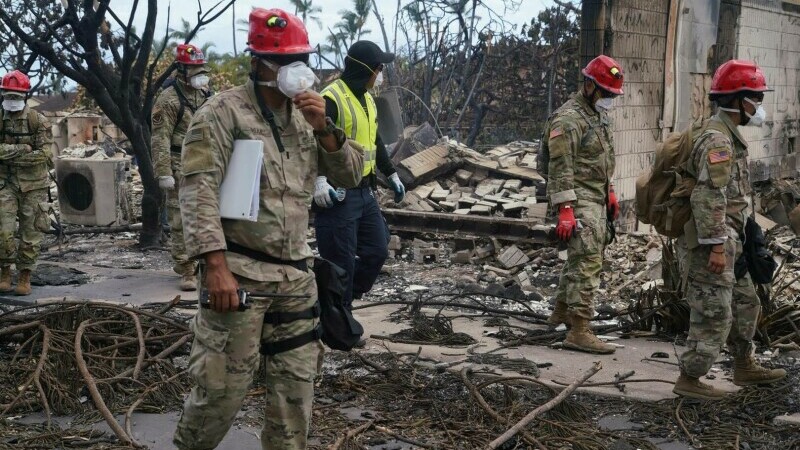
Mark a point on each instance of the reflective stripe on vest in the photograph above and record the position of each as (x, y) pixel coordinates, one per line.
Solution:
(359, 125)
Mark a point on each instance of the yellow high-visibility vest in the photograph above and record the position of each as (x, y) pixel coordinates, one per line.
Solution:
(359, 125)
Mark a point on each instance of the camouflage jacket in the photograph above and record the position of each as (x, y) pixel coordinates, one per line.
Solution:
(167, 135)
(581, 146)
(722, 197)
(30, 168)
(287, 183)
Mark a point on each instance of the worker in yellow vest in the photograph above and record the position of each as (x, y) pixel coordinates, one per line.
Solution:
(351, 231)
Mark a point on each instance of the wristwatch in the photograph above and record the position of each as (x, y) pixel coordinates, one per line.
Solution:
(328, 130)
(331, 129)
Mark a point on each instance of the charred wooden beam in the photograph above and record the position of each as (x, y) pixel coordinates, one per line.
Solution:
(463, 226)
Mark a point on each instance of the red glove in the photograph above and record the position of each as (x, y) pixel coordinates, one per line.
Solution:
(613, 204)
(566, 223)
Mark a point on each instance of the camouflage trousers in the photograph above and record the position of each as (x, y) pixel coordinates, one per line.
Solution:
(25, 206)
(224, 359)
(183, 265)
(723, 309)
(580, 276)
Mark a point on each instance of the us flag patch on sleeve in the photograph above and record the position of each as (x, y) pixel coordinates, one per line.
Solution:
(719, 155)
(556, 132)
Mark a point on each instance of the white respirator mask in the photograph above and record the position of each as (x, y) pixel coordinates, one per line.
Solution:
(757, 119)
(199, 81)
(293, 79)
(13, 104)
(605, 103)
(379, 79)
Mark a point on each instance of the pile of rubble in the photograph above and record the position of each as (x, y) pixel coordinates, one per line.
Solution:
(445, 176)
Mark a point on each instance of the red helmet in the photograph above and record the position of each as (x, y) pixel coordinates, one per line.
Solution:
(276, 32)
(16, 81)
(606, 72)
(190, 55)
(738, 75)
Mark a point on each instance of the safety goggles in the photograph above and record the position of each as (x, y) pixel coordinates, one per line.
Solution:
(10, 95)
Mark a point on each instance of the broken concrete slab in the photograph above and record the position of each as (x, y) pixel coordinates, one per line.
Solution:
(439, 195)
(513, 206)
(513, 185)
(538, 211)
(462, 257)
(484, 251)
(423, 191)
(482, 210)
(426, 165)
(426, 255)
(419, 243)
(448, 206)
(512, 257)
(466, 202)
(765, 223)
(463, 177)
(524, 280)
(395, 243)
(498, 271)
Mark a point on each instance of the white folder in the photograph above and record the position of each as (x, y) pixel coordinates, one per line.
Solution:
(238, 194)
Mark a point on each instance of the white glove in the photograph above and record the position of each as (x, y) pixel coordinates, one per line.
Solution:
(324, 193)
(397, 187)
(166, 182)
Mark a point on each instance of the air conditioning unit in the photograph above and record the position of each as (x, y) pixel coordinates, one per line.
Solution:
(94, 192)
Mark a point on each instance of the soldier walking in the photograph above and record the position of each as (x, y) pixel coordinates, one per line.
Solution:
(722, 308)
(25, 161)
(172, 113)
(276, 107)
(581, 163)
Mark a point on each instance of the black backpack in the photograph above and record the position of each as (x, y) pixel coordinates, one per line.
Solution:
(340, 330)
(756, 258)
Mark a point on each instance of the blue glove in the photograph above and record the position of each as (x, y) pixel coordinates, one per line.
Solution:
(397, 187)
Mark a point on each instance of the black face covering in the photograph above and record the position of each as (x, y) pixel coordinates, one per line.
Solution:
(356, 76)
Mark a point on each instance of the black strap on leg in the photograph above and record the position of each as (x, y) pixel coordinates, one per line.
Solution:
(279, 317)
(273, 348)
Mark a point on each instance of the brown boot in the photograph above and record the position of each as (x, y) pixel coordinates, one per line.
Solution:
(581, 338)
(746, 372)
(188, 283)
(23, 283)
(559, 316)
(5, 279)
(694, 388)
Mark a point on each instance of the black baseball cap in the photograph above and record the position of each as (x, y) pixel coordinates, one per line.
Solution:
(368, 52)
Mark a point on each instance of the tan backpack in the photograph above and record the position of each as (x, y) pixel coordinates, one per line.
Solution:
(663, 192)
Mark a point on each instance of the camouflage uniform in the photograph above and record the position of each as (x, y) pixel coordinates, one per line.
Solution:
(24, 180)
(581, 166)
(721, 203)
(226, 349)
(167, 139)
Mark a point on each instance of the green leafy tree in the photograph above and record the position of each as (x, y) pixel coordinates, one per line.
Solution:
(306, 10)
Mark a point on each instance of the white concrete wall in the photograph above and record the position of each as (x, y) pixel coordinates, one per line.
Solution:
(638, 44)
(770, 35)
